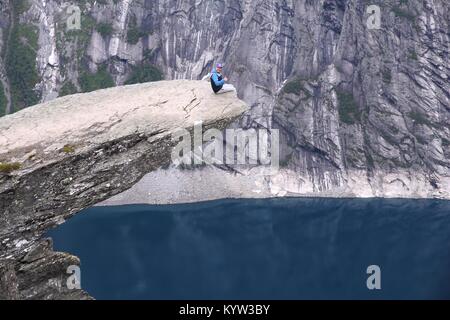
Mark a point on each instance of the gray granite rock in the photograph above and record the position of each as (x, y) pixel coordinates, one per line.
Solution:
(84, 149)
(368, 110)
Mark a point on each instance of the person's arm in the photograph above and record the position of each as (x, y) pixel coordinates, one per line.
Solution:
(206, 77)
(217, 81)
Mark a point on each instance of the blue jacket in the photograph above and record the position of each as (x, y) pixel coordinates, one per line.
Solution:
(218, 79)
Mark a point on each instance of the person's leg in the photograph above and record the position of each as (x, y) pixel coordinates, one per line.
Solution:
(227, 88)
(207, 77)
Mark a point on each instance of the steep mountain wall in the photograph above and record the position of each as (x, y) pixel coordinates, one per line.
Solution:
(362, 111)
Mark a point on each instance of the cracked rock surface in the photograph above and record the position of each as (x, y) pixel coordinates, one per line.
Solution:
(83, 149)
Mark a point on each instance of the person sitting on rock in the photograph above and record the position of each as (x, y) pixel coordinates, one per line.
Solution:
(218, 80)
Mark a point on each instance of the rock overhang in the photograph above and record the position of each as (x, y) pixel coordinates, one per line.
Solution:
(78, 150)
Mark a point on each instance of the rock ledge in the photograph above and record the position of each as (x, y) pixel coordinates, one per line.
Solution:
(73, 152)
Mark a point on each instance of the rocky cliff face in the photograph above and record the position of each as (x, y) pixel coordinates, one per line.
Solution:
(363, 112)
(375, 120)
(83, 149)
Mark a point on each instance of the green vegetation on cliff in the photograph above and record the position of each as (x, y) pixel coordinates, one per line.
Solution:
(144, 73)
(347, 107)
(296, 86)
(95, 81)
(134, 33)
(8, 167)
(3, 101)
(21, 61)
(67, 89)
(105, 29)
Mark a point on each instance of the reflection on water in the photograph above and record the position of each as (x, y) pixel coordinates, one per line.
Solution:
(263, 249)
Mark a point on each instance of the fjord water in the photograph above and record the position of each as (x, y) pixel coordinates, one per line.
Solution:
(263, 249)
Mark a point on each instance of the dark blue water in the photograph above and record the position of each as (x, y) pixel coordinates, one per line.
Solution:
(263, 249)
